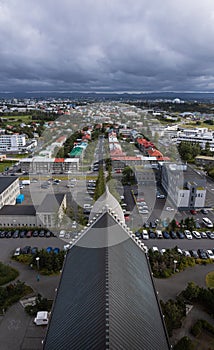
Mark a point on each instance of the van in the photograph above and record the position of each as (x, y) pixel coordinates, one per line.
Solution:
(41, 318)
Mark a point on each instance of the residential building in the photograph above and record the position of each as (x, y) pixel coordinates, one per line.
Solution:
(12, 143)
(9, 190)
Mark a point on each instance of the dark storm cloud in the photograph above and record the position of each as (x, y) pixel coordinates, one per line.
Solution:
(107, 45)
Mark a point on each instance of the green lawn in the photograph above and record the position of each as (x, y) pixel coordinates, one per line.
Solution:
(210, 279)
(4, 165)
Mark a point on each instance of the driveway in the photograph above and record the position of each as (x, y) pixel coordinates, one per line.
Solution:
(168, 288)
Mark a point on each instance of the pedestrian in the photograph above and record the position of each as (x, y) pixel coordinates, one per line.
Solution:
(38, 278)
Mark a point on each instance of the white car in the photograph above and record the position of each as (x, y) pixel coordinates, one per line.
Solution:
(17, 252)
(170, 209)
(159, 234)
(74, 224)
(145, 234)
(196, 234)
(210, 254)
(186, 253)
(207, 222)
(155, 249)
(188, 234)
(62, 234)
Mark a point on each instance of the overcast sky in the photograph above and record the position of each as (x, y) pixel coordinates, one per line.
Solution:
(107, 45)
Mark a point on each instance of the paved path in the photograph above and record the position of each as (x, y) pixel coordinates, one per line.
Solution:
(168, 288)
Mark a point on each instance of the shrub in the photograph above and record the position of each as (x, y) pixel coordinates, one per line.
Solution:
(7, 274)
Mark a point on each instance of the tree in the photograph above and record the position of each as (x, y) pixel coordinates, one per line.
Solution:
(184, 343)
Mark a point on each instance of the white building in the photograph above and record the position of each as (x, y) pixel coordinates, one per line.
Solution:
(183, 187)
(198, 135)
(12, 143)
(44, 165)
(9, 190)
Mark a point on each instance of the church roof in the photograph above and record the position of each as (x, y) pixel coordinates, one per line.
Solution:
(106, 297)
(107, 200)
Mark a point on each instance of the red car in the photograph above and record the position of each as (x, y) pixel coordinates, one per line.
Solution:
(193, 211)
(29, 234)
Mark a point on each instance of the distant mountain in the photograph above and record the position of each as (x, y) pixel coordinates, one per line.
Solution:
(96, 96)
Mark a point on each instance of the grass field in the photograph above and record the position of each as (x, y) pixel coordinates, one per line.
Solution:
(210, 280)
(16, 120)
(194, 125)
(4, 165)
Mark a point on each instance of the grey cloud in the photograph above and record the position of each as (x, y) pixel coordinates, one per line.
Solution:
(111, 45)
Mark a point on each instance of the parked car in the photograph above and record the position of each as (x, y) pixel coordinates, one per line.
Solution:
(188, 234)
(42, 233)
(22, 234)
(202, 254)
(8, 234)
(173, 234)
(48, 234)
(203, 235)
(210, 234)
(16, 234)
(56, 250)
(2, 234)
(29, 234)
(35, 233)
(180, 235)
(152, 234)
(207, 222)
(138, 234)
(49, 249)
(26, 249)
(145, 234)
(166, 235)
(194, 254)
(17, 252)
(186, 253)
(196, 234)
(34, 250)
(159, 234)
(193, 211)
(204, 211)
(210, 254)
(197, 225)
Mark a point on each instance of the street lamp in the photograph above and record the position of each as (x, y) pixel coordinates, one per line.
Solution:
(175, 262)
(37, 261)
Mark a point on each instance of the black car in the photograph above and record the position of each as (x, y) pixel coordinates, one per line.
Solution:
(2, 234)
(22, 234)
(194, 254)
(152, 234)
(8, 234)
(153, 224)
(180, 235)
(35, 233)
(173, 234)
(202, 254)
(16, 234)
(138, 234)
(26, 249)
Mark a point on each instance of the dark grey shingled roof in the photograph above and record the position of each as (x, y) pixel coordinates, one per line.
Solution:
(6, 181)
(18, 210)
(106, 297)
(51, 203)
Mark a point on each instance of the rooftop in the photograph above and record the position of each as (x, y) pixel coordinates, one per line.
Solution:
(51, 203)
(106, 297)
(18, 210)
(6, 181)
